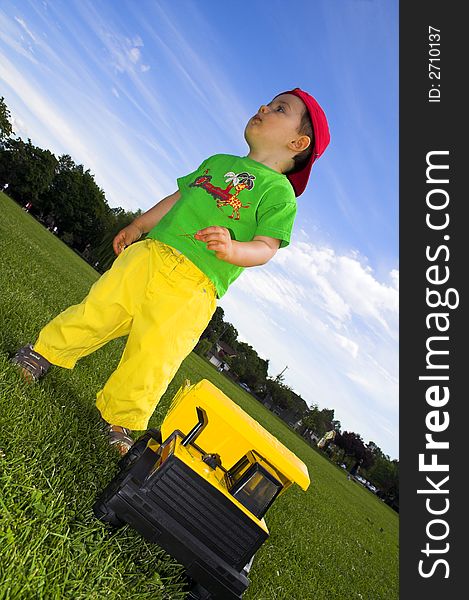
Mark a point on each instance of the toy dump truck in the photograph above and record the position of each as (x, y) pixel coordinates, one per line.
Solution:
(200, 488)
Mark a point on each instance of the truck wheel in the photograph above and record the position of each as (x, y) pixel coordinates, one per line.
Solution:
(138, 449)
(107, 516)
(197, 592)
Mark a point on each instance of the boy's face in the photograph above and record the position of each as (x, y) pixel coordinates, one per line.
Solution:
(275, 124)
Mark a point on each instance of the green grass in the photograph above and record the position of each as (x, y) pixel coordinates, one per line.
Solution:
(335, 541)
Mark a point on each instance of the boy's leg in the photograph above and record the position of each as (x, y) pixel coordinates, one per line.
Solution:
(106, 312)
(180, 303)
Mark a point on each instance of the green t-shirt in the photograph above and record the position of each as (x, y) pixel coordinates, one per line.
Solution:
(235, 192)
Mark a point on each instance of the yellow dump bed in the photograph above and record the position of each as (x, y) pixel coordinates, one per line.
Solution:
(230, 431)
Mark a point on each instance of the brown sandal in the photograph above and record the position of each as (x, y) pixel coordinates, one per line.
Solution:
(33, 366)
(119, 437)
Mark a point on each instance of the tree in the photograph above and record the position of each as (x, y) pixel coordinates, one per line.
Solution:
(217, 330)
(76, 205)
(384, 474)
(27, 169)
(364, 455)
(279, 394)
(5, 123)
(351, 444)
(375, 450)
(215, 327)
(94, 213)
(327, 416)
(299, 405)
(319, 421)
(248, 366)
(203, 346)
(313, 420)
(230, 336)
(116, 219)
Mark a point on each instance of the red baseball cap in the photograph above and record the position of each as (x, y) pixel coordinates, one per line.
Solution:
(322, 138)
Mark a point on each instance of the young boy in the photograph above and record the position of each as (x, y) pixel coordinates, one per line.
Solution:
(231, 213)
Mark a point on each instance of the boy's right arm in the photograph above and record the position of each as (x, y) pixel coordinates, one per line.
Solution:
(144, 223)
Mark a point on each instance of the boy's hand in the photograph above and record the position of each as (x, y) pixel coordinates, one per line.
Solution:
(217, 239)
(125, 237)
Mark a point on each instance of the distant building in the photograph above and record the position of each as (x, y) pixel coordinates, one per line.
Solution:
(219, 353)
(310, 435)
(289, 416)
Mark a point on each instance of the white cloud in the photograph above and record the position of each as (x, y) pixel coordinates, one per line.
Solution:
(122, 55)
(25, 27)
(278, 291)
(10, 33)
(343, 285)
(348, 344)
(18, 126)
(134, 55)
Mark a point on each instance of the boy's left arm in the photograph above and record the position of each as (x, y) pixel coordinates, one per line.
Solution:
(243, 254)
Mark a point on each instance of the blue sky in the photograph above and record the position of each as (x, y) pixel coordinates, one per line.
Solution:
(141, 92)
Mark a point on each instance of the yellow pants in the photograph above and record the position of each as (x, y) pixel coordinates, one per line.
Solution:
(157, 297)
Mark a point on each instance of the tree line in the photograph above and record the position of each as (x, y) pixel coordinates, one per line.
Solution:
(64, 196)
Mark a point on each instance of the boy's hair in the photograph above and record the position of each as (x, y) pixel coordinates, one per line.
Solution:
(301, 159)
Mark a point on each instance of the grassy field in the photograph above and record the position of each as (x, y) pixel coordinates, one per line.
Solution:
(335, 541)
